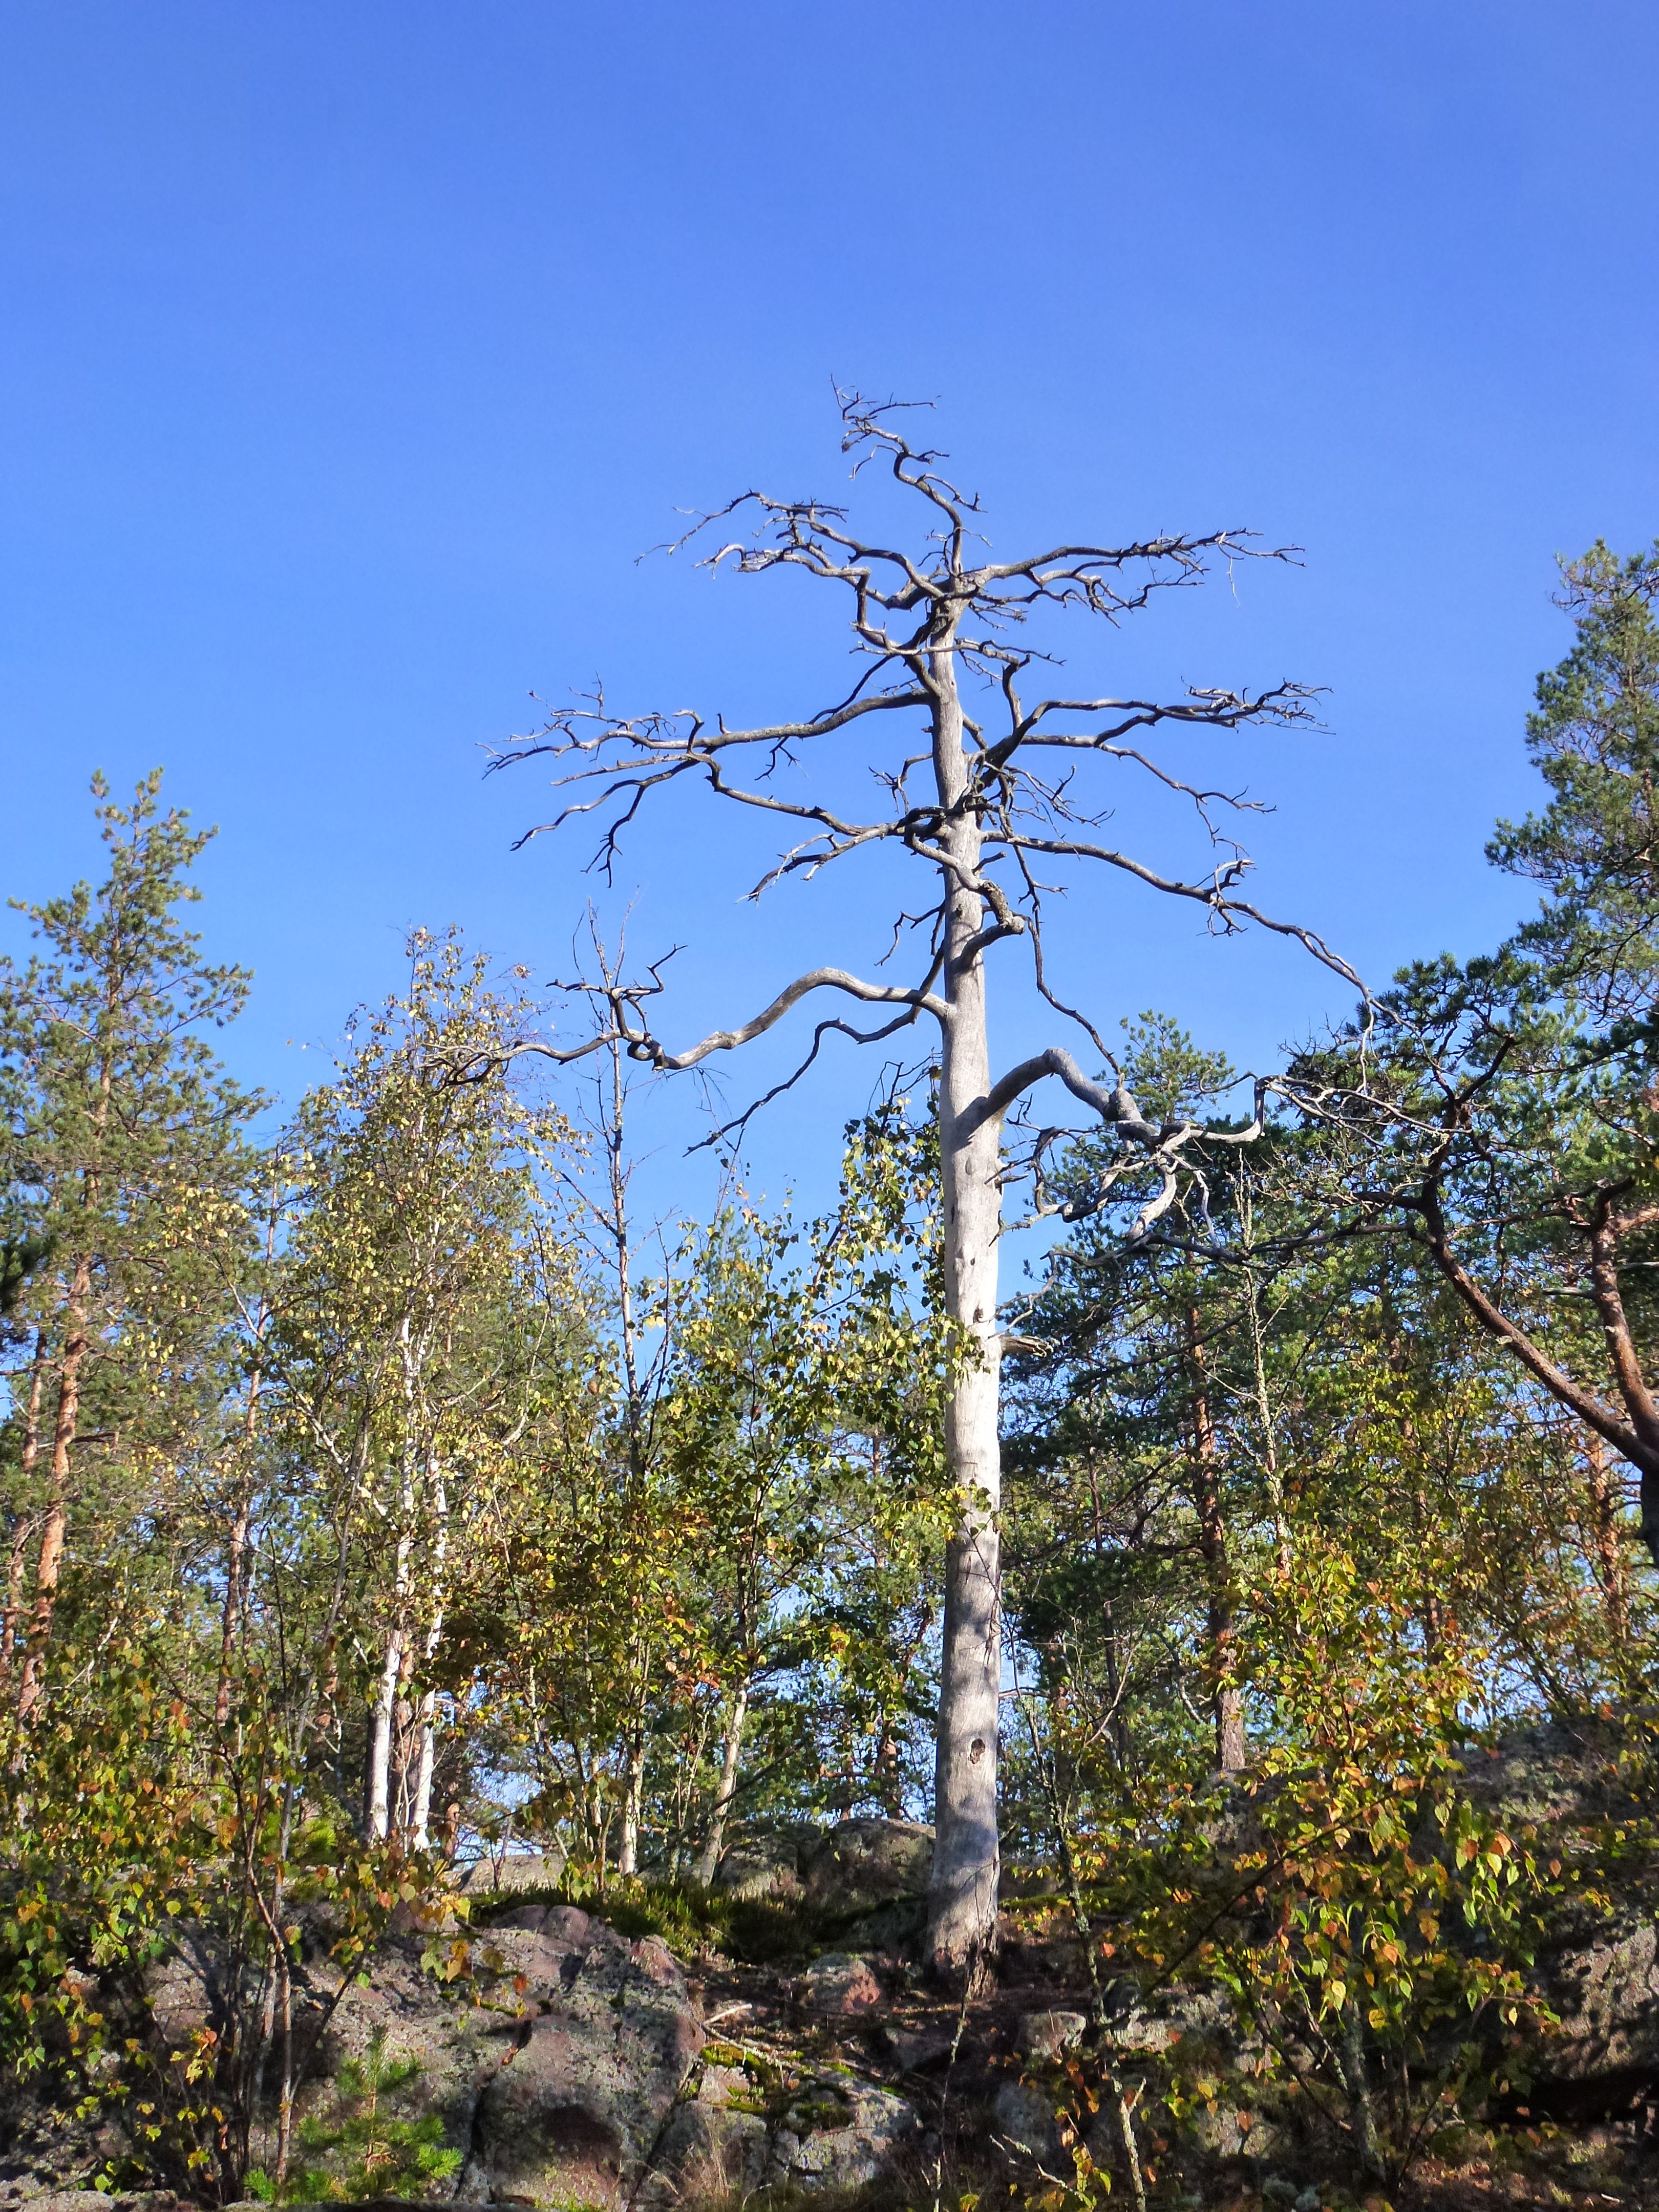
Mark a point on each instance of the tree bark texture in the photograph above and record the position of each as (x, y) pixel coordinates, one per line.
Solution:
(427, 1719)
(962, 1909)
(1608, 1551)
(710, 1858)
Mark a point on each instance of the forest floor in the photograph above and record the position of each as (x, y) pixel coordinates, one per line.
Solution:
(959, 2066)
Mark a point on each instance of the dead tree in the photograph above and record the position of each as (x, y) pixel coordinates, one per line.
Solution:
(987, 804)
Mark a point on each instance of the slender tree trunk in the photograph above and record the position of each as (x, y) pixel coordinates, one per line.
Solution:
(728, 1790)
(383, 1726)
(233, 1564)
(285, 2100)
(627, 1854)
(26, 1525)
(1611, 1571)
(628, 1851)
(1362, 2112)
(426, 1722)
(889, 1790)
(394, 1668)
(380, 1740)
(1118, 1737)
(1222, 1624)
(49, 1564)
(1273, 1478)
(962, 1909)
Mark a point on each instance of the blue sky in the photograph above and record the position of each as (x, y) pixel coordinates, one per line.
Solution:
(351, 353)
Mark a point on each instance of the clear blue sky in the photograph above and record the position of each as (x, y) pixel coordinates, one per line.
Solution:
(352, 352)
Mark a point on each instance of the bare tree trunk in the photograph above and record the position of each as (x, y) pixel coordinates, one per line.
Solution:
(427, 1722)
(49, 1564)
(386, 1702)
(962, 1907)
(285, 2101)
(728, 1790)
(1213, 1546)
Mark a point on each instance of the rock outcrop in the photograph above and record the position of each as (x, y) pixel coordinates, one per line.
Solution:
(837, 2132)
(573, 2067)
(862, 1865)
(606, 2038)
(1570, 1793)
(768, 1862)
(480, 1880)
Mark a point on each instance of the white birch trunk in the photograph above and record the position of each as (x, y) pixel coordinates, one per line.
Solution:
(420, 1818)
(728, 1790)
(627, 1854)
(962, 1896)
(380, 1742)
(422, 1821)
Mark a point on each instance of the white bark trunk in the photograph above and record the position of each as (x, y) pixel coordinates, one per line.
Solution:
(421, 1813)
(962, 1896)
(422, 1820)
(379, 1741)
(627, 1854)
(728, 1790)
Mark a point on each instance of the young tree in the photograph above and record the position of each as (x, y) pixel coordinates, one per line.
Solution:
(985, 804)
(125, 1172)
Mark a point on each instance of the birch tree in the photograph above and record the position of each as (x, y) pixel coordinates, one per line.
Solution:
(984, 777)
(394, 1372)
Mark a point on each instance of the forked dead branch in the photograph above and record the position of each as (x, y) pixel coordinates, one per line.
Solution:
(987, 800)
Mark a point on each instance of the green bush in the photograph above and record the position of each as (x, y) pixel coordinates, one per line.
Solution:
(365, 2150)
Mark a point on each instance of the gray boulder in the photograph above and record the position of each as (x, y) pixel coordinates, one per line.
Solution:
(766, 1862)
(189, 1987)
(607, 2037)
(1603, 1985)
(1025, 2127)
(838, 2132)
(556, 2086)
(714, 2145)
(482, 1879)
(841, 1985)
(1046, 2034)
(862, 1865)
